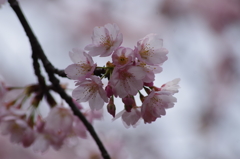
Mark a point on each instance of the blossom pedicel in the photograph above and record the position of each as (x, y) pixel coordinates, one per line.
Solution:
(130, 71)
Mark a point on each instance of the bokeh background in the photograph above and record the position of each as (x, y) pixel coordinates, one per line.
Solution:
(203, 39)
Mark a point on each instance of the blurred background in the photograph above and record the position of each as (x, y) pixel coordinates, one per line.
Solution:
(203, 39)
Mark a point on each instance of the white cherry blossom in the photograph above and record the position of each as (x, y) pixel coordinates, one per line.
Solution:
(171, 86)
(91, 91)
(122, 56)
(83, 66)
(127, 81)
(129, 118)
(155, 104)
(105, 40)
(149, 50)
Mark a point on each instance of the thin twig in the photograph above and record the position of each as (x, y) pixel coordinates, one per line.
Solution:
(98, 72)
(60, 73)
(55, 82)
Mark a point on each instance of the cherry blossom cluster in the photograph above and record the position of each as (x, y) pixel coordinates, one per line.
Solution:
(130, 71)
(25, 125)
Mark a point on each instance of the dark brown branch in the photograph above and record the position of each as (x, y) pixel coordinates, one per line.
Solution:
(37, 71)
(37, 50)
(60, 73)
(98, 72)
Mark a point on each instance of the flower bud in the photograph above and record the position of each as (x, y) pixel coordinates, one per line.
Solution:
(111, 107)
(129, 103)
(109, 91)
(148, 84)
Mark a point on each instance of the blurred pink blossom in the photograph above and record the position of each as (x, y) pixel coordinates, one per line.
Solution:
(130, 118)
(2, 2)
(105, 40)
(19, 130)
(59, 120)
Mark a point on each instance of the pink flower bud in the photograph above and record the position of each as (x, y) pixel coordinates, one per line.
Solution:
(129, 103)
(111, 107)
(109, 91)
(148, 84)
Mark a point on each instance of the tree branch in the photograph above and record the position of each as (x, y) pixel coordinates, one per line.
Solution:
(60, 73)
(37, 50)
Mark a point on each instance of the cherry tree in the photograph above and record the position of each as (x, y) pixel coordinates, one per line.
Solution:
(131, 73)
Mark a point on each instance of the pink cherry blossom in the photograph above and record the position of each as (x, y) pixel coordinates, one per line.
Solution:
(171, 86)
(149, 50)
(122, 56)
(12, 111)
(105, 40)
(41, 143)
(54, 129)
(39, 124)
(46, 139)
(18, 129)
(130, 118)
(155, 104)
(127, 80)
(150, 71)
(78, 105)
(29, 137)
(83, 66)
(79, 128)
(94, 115)
(91, 91)
(59, 120)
